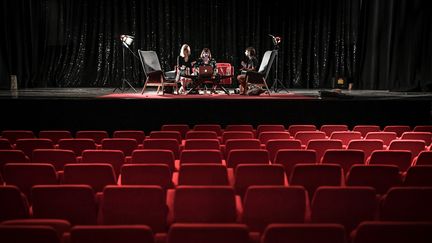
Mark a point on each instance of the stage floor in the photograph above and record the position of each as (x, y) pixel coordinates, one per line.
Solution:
(102, 109)
(107, 93)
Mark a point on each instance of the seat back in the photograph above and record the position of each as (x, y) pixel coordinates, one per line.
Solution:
(203, 175)
(225, 69)
(12, 156)
(364, 129)
(57, 157)
(239, 128)
(154, 156)
(247, 175)
(13, 135)
(380, 177)
(149, 61)
(425, 136)
(424, 158)
(147, 174)
(115, 158)
(398, 129)
(26, 175)
(247, 156)
(306, 136)
(241, 144)
(75, 203)
(400, 158)
(97, 136)
(204, 204)
(196, 144)
(414, 146)
(313, 176)
(407, 204)
(126, 145)
(55, 136)
(236, 135)
(13, 204)
(78, 145)
(209, 233)
(329, 129)
(165, 144)
(182, 128)
(167, 134)
(274, 145)
(345, 136)
(367, 146)
(5, 144)
(304, 233)
(264, 137)
(263, 205)
(111, 234)
(209, 127)
(28, 233)
(322, 145)
(27, 145)
(138, 135)
(127, 205)
(344, 205)
(269, 128)
(343, 157)
(267, 62)
(201, 156)
(294, 129)
(386, 137)
(290, 157)
(201, 135)
(96, 175)
(419, 175)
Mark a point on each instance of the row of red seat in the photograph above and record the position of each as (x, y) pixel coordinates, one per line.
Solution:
(262, 205)
(366, 232)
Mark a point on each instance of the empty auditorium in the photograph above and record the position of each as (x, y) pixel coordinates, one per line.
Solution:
(215, 121)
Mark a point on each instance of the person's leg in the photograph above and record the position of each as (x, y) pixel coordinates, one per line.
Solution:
(242, 83)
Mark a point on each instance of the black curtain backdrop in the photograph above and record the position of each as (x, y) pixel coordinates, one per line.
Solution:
(75, 43)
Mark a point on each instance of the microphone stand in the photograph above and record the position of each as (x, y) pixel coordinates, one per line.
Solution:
(276, 80)
(124, 80)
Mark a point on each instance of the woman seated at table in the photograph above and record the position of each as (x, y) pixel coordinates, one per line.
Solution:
(206, 60)
(184, 67)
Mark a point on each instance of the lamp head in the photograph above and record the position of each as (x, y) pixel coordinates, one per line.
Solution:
(127, 39)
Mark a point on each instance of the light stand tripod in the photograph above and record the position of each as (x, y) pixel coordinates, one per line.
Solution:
(277, 81)
(126, 41)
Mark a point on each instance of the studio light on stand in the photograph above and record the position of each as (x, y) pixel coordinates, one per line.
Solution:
(126, 40)
(276, 42)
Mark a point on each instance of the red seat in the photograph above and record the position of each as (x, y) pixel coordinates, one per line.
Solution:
(346, 137)
(26, 175)
(394, 232)
(97, 136)
(225, 69)
(241, 144)
(312, 177)
(138, 135)
(380, 177)
(57, 157)
(414, 146)
(400, 158)
(347, 206)
(425, 136)
(28, 234)
(202, 156)
(96, 175)
(304, 233)
(167, 134)
(5, 144)
(165, 144)
(128, 205)
(407, 204)
(12, 156)
(294, 129)
(74, 203)
(290, 157)
(154, 156)
(419, 175)
(239, 128)
(329, 129)
(322, 145)
(306, 136)
(266, 136)
(55, 135)
(115, 158)
(423, 128)
(273, 146)
(78, 145)
(264, 205)
(111, 234)
(343, 157)
(201, 135)
(147, 174)
(182, 128)
(13, 204)
(126, 145)
(424, 158)
(209, 233)
(209, 127)
(247, 175)
(367, 146)
(204, 204)
(386, 137)
(13, 135)
(247, 156)
(269, 128)
(59, 225)
(398, 129)
(202, 144)
(365, 129)
(236, 135)
(27, 145)
(203, 175)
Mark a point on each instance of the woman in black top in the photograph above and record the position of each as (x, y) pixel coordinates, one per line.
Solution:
(205, 60)
(184, 66)
(251, 65)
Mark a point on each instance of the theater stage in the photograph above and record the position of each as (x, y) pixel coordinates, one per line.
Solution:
(99, 108)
